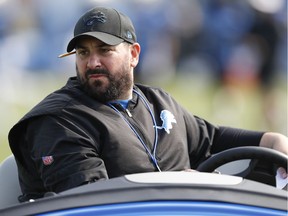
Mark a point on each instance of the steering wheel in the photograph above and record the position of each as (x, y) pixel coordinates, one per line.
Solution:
(259, 155)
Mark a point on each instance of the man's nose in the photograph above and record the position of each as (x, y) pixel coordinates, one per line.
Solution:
(94, 62)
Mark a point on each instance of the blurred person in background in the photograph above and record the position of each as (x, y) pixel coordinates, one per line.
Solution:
(102, 125)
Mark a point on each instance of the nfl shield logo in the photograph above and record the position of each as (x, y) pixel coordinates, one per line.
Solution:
(47, 160)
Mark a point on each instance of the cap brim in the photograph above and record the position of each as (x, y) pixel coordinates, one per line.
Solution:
(104, 37)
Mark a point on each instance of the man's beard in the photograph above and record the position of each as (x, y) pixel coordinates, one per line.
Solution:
(118, 87)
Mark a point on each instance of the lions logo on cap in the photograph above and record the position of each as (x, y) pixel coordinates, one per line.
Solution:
(167, 118)
(98, 16)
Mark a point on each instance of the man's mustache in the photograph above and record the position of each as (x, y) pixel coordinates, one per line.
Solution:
(97, 71)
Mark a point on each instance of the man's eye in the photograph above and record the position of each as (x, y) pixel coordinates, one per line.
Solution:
(82, 52)
(105, 49)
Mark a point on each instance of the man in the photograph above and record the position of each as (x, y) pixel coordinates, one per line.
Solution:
(101, 125)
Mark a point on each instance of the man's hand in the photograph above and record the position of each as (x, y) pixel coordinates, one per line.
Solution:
(279, 143)
(281, 179)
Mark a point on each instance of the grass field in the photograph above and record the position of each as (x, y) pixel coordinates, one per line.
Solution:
(242, 107)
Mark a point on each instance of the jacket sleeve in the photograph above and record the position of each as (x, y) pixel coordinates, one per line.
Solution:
(205, 139)
(64, 154)
(227, 137)
(200, 138)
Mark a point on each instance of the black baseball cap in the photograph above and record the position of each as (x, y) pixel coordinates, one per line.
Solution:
(105, 24)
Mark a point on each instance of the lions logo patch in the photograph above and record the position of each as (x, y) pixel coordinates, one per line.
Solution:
(167, 118)
(95, 17)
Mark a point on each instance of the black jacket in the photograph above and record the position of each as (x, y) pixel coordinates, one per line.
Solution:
(70, 139)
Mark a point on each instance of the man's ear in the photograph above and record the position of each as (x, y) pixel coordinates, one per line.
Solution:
(135, 50)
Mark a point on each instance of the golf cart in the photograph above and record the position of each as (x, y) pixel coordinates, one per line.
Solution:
(251, 191)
